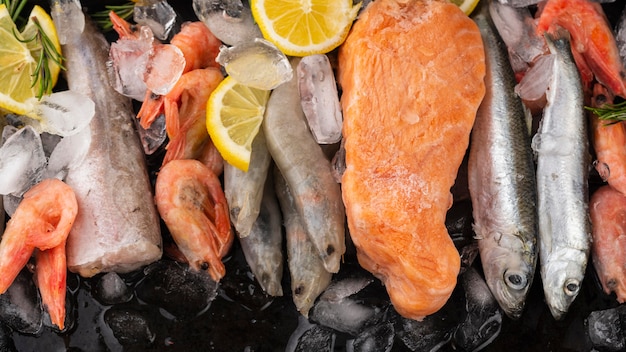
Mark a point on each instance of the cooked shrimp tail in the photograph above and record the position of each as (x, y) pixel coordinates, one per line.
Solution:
(151, 108)
(121, 26)
(42, 220)
(192, 204)
(51, 279)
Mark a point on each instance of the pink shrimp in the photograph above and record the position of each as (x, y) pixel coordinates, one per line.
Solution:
(609, 143)
(51, 270)
(192, 204)
(593, 42)
(200, 48)
(185, 111)
(607, 210)
(42, 220)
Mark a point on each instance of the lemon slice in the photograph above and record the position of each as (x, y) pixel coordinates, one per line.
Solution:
(47, 25)
(5, 19)
(16, 67)
(466, 5)
(304, 27)
(233, 116)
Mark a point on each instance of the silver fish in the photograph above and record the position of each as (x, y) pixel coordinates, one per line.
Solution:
(117, 228)
(502, 180)
(309, 278)
(561, 145)
(263, 246)
(307, 172)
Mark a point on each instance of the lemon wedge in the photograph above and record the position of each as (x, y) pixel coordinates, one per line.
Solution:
(16, 67)
(304, 27)
(466, 5)
(233, 116)
(47, 25)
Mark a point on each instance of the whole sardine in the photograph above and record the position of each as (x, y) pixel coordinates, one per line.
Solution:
(561, 145)
(502, 180)
(117, 228)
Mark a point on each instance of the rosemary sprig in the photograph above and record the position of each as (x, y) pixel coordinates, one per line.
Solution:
(611, 113)
(125, 11)
(48, 53)
(14, 8)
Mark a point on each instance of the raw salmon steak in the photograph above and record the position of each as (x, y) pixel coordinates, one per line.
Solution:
(412, 74)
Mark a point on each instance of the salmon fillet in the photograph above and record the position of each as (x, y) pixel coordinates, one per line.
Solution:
(412, 74)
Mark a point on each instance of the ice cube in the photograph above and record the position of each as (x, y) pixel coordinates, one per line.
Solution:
(310, 337)
(22, 162)
(256, 63)
(336, 308)
(319, 98)
(517, 28)
(111, 289)
(131, 327)
(69, 19)
(229, 20)
(63, 113)
(69, 152)
(49, 142)
(153, 137)
(606, 329)
(483, 321)
(127, 64)
(163, 68)
(158, 15)
(378, 338)
(20, 306)
(176, 289)
(10, 203)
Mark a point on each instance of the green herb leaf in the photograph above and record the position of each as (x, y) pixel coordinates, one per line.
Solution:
(125, 11)
(611, 113)
(48, 52)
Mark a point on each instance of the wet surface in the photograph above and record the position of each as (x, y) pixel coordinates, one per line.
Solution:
(172, 310)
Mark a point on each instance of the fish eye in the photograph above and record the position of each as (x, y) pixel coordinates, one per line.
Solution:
(571, 287)
(515, 280)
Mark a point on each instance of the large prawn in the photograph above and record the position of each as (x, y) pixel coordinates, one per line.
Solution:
(593, 43)
(191, 202)
(200, 48)
(185, 111)
(42, 221)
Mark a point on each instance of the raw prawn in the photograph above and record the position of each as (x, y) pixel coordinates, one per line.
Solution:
(609, 143)
(593, 43)
(607, 209)
(309, 277)
(307, 172)
(200, 48)
(42, 220)
(185, 116)
(192, 204)
(412, 74)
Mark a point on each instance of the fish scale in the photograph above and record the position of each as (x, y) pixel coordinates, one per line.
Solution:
(502, 180)
(563, 159)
